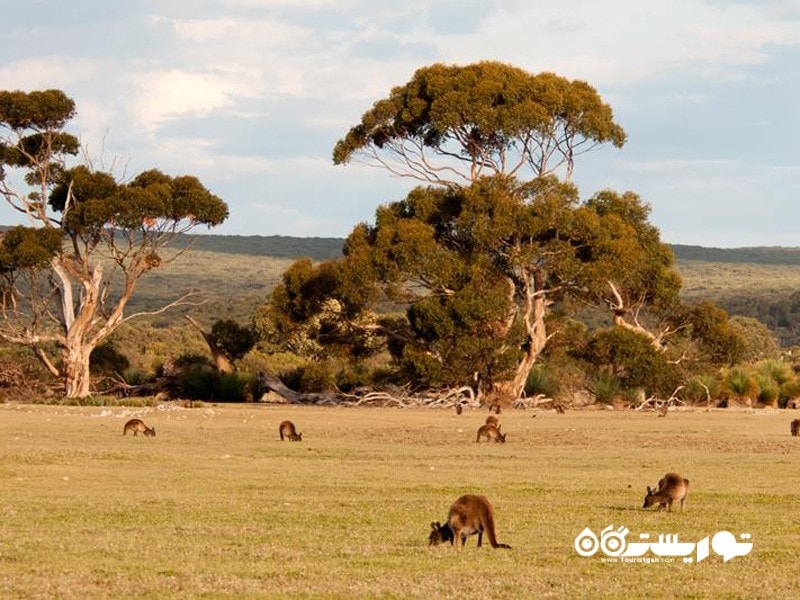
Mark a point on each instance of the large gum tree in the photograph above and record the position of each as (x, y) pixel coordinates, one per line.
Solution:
(498, 234)
(67, 276)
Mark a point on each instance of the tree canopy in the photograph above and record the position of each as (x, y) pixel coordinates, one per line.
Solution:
(454, 124)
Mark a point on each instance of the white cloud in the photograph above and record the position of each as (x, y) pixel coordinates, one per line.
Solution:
(162, 95)
(625, 41)
(48, 72)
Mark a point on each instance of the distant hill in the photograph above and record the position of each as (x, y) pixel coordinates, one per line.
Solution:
(277, 246)
(328, 248)
(763, 255)
(324, 248)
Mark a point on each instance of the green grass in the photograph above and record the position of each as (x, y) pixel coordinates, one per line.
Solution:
(216, 506)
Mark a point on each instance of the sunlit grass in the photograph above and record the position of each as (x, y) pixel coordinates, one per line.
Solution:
(216, 506)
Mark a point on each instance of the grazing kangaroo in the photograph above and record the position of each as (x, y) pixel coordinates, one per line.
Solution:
(468, 515)
(137, 426)
(492, 433)
(492, 420)
(288, 430)
(795, 427)
(671, 488)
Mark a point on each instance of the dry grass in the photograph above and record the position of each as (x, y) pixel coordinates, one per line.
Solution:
(216, 507)
(718, 281)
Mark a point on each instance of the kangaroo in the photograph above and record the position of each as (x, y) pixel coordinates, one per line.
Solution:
(795, 427)
(671, 488)
(459, 408)
(288, 430)
(468, 515)
(491, 432)
(492, 420)
(137, 426)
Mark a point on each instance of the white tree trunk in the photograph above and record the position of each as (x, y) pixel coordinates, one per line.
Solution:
(77, 379)
(535, 307)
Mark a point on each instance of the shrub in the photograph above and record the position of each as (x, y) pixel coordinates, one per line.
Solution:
(312, 377)
(737, 384)
(701, 389)
(605, 387)
(775, 370)
(234, 387)
(199, 382)
(789, 391)
(540, 381)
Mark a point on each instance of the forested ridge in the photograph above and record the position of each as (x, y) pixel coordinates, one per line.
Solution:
(324, 248)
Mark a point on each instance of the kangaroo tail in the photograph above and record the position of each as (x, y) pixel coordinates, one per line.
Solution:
(490, 532)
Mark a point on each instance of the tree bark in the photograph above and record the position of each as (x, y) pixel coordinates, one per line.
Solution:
(76, 371)
(534, 303)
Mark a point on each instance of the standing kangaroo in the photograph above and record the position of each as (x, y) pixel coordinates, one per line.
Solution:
(795, 427)
(671, 488)
(137, 426)
(491, 432)
(468, 515)
(288, 430)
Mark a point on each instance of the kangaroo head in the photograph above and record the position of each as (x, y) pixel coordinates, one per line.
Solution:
(150, 432)
(650, 498)
(501, 437)
(299, 437)
(439, 534)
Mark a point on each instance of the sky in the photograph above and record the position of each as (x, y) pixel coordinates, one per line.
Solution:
(252, 95)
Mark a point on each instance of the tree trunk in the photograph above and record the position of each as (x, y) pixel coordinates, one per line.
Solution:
(77, 380)
(535, 308)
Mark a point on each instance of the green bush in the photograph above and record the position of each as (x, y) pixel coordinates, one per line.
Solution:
(739, 385)
(605, 387)
(234, 387)
(789, 391)
(198, 382)
(776, 370)
(312, 377)
(541, 381)
(277, 363)
(701, 389)
(769, 391)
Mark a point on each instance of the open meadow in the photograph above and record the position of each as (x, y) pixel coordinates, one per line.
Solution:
(215, 506)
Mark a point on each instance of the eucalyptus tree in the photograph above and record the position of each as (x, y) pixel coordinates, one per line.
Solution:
(68, 275)
(497, 233)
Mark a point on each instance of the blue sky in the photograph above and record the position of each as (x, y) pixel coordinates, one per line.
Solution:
(252, 95)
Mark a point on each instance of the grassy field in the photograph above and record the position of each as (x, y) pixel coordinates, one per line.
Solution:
(215, 506)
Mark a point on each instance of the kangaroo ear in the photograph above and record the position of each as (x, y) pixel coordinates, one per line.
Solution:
(649, 491)
(436, 526)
